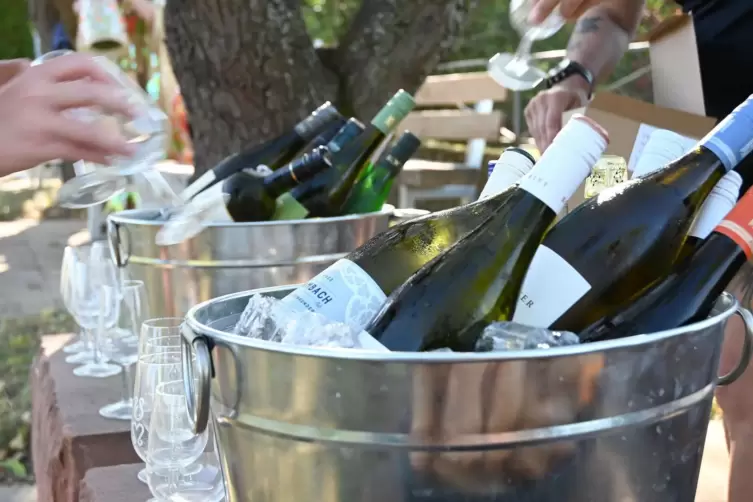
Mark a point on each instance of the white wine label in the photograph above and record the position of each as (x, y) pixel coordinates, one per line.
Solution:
(289, 209)
(550, 288)
(507, 171)
(342, 293)
(566, 163)
(655, 148)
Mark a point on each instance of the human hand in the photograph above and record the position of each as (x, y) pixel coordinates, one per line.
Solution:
(570, 9)
(481, 403)
(544, 112)
(35, 127)
(10, 68)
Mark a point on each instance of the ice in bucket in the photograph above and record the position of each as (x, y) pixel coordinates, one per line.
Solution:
(507, 335)
(266, 319)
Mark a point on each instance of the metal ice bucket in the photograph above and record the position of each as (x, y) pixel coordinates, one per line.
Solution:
(230, 257)
(616, 421)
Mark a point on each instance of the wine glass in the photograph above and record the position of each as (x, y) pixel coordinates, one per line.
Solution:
(517, 71)
(158, 355)
(147, 130)
(66, 294)
(122, 346)
(172, 445)
(96, 300)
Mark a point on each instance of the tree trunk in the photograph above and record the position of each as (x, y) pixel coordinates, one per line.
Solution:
(248, 71)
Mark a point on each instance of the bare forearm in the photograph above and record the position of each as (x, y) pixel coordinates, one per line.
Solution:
(741, 458)
(601, 36)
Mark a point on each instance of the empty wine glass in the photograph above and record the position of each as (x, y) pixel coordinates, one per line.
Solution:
(66, 294)
(80, 254)
(159, 361)
(96, 299)
(121, 346)
(517, 71)
(147, 130)
(153, 368)
(172, 445)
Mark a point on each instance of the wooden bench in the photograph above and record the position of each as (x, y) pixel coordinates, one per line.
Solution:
(460, 108)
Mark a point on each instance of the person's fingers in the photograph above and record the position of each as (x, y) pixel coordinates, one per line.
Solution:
(75, 66)
(58, 148)
(81, 93)
(11, 68)
(533, 118)
(541, 11)
(552, 122)
(98, 135)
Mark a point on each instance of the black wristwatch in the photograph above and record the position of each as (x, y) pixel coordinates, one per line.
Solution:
(567, 69)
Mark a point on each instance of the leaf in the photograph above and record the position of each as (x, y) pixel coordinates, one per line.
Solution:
(14, 466)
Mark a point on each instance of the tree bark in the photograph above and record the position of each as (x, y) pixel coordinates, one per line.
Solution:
(248, 70)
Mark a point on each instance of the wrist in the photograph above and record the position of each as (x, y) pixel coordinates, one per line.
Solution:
(578, 86)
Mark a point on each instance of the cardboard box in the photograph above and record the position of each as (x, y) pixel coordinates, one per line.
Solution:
(675, 67)
(629, 123)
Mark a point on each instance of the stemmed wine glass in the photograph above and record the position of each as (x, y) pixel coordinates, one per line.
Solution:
(173, 446)
(122, 345)
(159, 360)
(66, 293)
(516, 71)
(93, 185)
(96, 302)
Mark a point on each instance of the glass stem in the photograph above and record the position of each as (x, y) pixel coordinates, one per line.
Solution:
(524, 48)
(97, 340)
(127, 387)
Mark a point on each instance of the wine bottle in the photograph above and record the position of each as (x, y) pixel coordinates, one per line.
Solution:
(662, 147)
(613, 247)
(288, 207)
(450, 300)
(244, 196)
(275, 153)
(720, 201)
(392, 256)
(325, 195)
(327, 135)
(373, 188)
(688, 294)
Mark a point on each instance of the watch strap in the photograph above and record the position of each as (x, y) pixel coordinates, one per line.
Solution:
(566, 69)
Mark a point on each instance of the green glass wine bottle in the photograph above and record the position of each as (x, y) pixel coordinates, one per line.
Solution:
(354, 288)
(450, 300)
(373, 187)
(615, 246)
(326, 194)
(287, 207)
(274, 153)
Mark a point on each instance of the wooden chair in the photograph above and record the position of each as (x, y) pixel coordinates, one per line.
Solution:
(449, 117)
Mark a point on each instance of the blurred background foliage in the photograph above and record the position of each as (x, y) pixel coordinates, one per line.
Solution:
(15, 33)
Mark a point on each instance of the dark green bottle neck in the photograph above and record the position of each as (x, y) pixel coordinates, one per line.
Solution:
(297, 172)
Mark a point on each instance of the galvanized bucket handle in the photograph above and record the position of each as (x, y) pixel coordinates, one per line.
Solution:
(118, 254)
(197, 395)
(737, 372)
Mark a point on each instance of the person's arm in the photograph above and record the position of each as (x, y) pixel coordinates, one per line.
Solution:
(600, 38)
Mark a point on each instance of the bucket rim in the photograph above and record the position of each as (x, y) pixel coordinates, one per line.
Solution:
(443, 357)
(131, 217)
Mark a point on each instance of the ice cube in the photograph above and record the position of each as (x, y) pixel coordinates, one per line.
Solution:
(507, 335)
(315, 330)
(442, 349)
(259, 320)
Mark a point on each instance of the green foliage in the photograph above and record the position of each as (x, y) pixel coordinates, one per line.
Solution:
(487, 32)
(15, 35)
